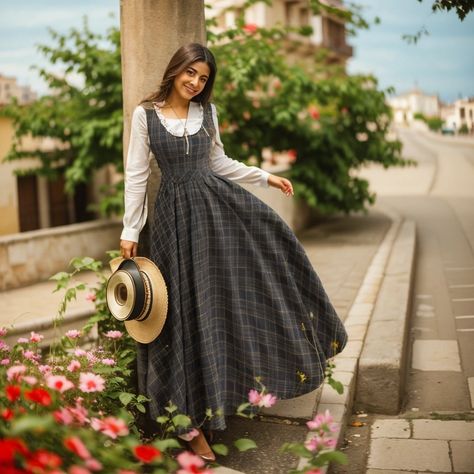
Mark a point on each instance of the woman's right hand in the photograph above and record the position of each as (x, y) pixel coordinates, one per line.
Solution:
(128, 248)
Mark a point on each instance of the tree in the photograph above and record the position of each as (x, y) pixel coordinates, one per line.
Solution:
(86, 121)
(462, 7)
(331, 122)
(334, 123)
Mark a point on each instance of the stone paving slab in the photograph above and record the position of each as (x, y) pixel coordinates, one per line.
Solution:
(470, 382)
(409, 454)
(443, 429)
(436, 355)
(391, 429)
(463, 455)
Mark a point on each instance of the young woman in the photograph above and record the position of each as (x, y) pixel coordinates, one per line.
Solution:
(243, 298)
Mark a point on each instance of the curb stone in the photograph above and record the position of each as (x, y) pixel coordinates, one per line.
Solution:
(382, 363)
(357, 325)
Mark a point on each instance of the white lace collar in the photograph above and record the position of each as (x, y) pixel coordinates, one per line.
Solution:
(175, 126)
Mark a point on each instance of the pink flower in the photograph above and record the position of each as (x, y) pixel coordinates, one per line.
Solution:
(30, 379)
(35, 337)
(190, 462)
(79, 352)
(30, 355)
(15, 372)
(321, 421)
(314, 471)
(45, 369)
(94, 464)
(3, 331)
(91, 297)
(261, 400)
(314, 444)
(4, 346)
(74, 365)
(75, 469)
(75, 445)
(113, 334)
(89, 382)
(108, 361)
(59, 383)
(91, 357)
(110, 426)
(22, 340)
(268, 400)
(63, 416)
(4, 361)
(73, 334)
(254, 397)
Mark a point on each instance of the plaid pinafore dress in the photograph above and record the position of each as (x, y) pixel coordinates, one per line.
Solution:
(244, 299)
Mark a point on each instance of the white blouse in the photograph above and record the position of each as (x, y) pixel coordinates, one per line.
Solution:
(137, 167)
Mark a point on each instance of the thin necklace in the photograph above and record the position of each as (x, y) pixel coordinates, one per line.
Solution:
(185, 133)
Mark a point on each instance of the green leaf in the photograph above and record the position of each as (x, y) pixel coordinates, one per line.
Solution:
(126, 398)
(30, 423)
(244, 444)
(141, 408)
(171, 408)
(165, 444)
(332, 456)
(181, 420)
(162, 419)
(221, 449)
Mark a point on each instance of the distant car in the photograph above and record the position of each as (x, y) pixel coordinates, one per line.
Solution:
(447, 130)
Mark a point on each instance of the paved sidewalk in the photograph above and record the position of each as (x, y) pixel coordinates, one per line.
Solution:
(420, 445)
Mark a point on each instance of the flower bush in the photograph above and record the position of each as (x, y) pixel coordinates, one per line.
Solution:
(73, 407)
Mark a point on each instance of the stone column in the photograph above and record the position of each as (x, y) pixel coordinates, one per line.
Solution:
(151, 31)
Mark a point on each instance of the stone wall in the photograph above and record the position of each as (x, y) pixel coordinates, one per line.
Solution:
(29, 257)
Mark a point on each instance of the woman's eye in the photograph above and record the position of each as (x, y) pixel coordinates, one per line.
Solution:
(190, 72)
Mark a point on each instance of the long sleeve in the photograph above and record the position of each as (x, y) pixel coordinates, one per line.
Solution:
(233, 169)
(137, 170)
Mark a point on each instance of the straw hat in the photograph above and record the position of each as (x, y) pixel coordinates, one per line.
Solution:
(137, 295)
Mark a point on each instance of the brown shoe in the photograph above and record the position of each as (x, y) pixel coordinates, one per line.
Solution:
(200, 446)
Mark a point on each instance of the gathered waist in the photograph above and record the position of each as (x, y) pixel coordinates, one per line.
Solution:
(181, 176)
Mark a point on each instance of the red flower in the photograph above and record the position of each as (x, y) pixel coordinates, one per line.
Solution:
(292, 154)
(10, 447)
(314, 112)
(7, 414)
(146, 453)
(250, 28)
(13, 392)
(43, 459)
(40, 396)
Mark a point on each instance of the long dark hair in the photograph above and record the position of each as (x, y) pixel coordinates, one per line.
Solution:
(185, 56)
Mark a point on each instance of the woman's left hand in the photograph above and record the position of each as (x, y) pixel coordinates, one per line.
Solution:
(281, 183)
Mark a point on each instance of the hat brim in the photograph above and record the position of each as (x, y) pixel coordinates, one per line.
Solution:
(148, 330)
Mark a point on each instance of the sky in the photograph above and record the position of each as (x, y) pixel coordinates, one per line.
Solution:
(441, 63)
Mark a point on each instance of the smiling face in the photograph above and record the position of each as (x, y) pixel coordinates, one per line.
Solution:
(191, 81)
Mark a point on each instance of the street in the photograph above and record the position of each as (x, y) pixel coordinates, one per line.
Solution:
(439, 196)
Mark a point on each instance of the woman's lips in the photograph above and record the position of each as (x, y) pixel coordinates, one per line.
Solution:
(191, 91)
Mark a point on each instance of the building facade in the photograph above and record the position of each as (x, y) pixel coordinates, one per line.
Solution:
(10, 88)
(329, 31)
(29, 201)
(406, 106)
